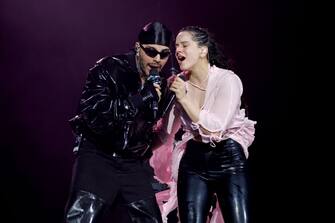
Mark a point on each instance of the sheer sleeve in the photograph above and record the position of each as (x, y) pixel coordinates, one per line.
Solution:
(214, 121)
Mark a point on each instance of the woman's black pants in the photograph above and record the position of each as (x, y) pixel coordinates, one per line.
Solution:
(207, 173)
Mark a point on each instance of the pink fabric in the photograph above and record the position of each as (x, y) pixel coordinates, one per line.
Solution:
(220, 118)
(221, 113)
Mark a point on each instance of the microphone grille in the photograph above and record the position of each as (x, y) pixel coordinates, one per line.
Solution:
(154, 76)
(182, 76)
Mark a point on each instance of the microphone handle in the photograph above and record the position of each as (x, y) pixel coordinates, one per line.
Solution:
(173, 97)
(155, 108)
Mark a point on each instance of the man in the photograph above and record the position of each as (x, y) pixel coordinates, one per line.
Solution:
(119, 107)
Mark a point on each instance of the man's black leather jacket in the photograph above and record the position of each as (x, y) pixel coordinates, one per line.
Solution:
(110, 114)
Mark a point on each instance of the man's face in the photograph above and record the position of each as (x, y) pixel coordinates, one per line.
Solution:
(152, 56)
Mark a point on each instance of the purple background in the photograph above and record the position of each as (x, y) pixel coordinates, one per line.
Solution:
(47, 46)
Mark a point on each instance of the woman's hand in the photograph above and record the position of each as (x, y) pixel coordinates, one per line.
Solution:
(178, 86)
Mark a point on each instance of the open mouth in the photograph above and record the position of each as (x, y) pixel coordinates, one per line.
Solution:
(180, 57)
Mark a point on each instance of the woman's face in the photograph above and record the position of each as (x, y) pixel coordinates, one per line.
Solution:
(188, 51)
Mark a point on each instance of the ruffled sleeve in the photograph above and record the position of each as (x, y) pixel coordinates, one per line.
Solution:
(216, 118)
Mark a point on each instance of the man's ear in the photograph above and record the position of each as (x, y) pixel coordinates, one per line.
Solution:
(137, 46)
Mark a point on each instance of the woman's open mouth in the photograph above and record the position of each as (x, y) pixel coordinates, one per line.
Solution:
(180, 58)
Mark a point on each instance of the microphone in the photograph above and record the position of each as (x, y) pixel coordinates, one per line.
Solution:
(154, 78)
(181, 76)
(173, 97)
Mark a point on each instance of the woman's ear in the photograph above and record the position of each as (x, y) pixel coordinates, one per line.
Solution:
(204, 51)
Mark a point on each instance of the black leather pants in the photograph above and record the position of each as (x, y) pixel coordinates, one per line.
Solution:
(100, 183)
(84, 207)
(206, 173)
(145, 211)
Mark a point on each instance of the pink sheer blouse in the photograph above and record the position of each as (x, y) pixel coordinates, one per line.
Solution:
(220, 118)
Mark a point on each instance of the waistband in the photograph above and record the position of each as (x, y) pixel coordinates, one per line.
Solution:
(139, 152)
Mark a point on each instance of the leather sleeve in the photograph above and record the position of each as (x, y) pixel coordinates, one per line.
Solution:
(103, 108)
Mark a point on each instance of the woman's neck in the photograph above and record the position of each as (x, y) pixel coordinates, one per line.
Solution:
(200, 73)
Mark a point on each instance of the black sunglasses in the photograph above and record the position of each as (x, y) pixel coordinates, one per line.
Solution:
(152, 52)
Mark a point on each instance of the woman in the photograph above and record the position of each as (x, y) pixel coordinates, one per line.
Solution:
(210, 159)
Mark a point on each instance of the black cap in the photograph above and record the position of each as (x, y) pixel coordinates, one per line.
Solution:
(155, 33)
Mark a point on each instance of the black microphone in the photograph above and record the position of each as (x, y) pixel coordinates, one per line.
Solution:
(181, 76)
(154, 78)
(173, 97)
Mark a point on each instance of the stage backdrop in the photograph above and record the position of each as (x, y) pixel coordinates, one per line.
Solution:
(47, 47)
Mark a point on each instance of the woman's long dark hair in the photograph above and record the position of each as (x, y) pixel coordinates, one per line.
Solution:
(215, 52)
(204, 38)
